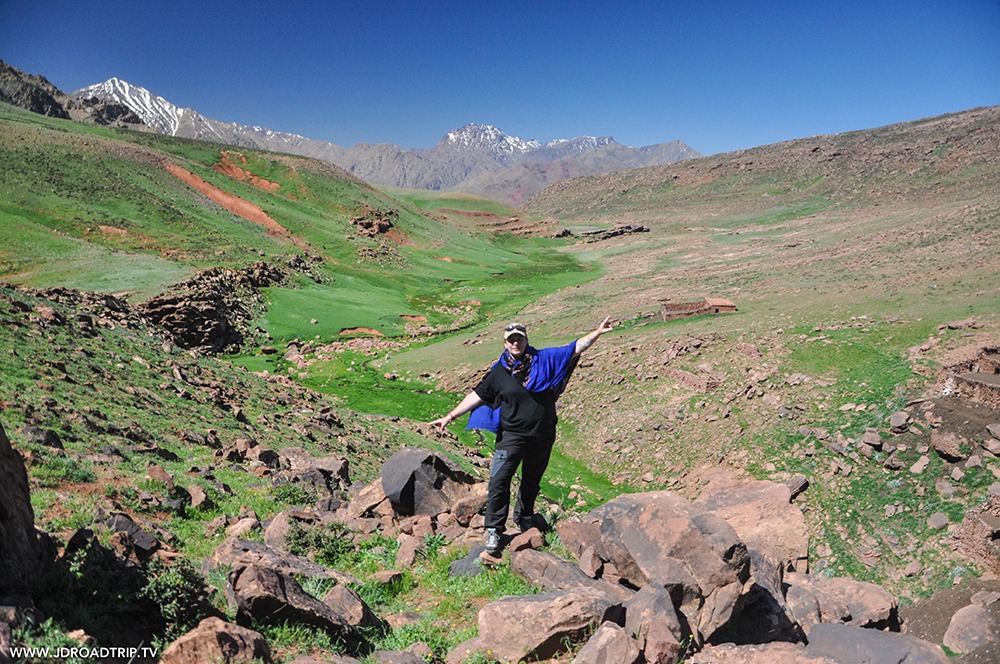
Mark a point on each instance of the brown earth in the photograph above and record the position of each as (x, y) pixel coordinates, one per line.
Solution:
(362, 330)
(227, 167)
(232, 202)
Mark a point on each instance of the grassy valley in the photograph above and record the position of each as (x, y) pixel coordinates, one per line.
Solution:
(863, 265)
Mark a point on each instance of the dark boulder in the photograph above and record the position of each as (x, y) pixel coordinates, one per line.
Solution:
(418, 481)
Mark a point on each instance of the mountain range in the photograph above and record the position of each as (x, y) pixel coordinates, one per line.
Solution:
(477, 158)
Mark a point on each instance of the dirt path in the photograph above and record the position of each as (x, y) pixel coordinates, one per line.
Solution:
(233, 203)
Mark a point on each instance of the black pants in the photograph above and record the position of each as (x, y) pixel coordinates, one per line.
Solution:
(532, 454)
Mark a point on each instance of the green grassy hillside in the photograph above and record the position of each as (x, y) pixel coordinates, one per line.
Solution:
(94, 208)
(862, 265)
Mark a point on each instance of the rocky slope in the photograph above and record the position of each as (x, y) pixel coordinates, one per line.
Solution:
(36, 94)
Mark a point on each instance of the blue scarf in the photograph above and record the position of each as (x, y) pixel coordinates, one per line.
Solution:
(547, 369)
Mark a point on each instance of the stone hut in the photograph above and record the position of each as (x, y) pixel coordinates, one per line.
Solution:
(671, 309)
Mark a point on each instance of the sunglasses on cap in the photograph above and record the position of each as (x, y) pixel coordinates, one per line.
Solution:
(514, 328)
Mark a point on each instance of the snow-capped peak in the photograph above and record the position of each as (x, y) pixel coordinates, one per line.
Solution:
(506, 148)
(155, 112)
(487, 136)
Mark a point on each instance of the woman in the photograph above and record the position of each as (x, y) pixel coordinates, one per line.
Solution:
(517, 399)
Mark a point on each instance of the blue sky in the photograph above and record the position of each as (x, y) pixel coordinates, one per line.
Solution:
(720, 76)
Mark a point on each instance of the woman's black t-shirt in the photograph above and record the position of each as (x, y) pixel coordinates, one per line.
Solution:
(522, 413)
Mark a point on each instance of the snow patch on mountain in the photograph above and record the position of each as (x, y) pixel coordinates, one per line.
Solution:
(156, 112)
(477, 136)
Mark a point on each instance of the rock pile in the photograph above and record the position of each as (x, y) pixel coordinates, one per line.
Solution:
(211, 312)
(656, 577)
(608, 233)
(373, 221)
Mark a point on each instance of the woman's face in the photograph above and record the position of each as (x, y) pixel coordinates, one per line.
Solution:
(516, 344)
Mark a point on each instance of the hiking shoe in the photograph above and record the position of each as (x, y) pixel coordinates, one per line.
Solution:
(492, 540)
(525, 523)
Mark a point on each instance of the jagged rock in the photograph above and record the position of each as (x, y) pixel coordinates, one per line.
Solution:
(763, 517)
(610, 643)
(762, 614)
(977, 537)
(211, 311)
(269, 597)
(797, 485)
(138, 540)
(276, 532)
(872, 439)
(248, 450)
(607, 234)
(243, 527)
(21, 553)
(368, 500)
(215, 640)
(325, 476)
(816, 599)
(199, 498)
(899, 422)
(844, 643)
(409, 549)
(970, 628)
(467, 507)
(348, 604)
(984, 598)
(590, 563)
(537, 627)
(549, 572)
(650, 616)
(662, 538)
(949, 445)
(418, 481)
(235, 553)
(529, 539)
(920, 465)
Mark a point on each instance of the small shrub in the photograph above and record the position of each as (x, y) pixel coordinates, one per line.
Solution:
(433, 545)
(179, 591)
(43, 635)
(58, 468)
(328, 546)
(293, 494)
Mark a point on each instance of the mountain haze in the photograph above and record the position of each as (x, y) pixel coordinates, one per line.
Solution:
(476, 158)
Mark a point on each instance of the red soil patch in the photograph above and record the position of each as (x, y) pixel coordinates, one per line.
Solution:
(112, 230)
(399, 238)
(227, 167)
(231, 202)
(362, 330)
(446, 259)
(414, 319)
